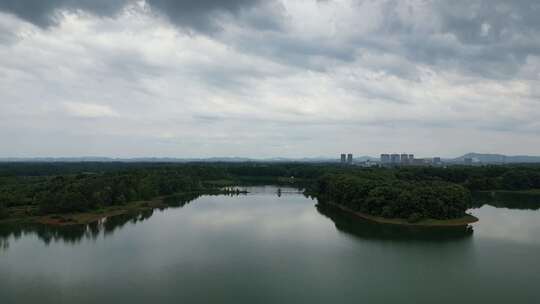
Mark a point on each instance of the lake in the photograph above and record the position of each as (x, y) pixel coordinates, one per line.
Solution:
(270, 247)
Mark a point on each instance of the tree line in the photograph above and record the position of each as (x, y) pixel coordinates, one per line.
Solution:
(511, 177)
(394, 198)
(390, 192)
(91, 190)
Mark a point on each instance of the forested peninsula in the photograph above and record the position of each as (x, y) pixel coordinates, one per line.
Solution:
(66, 192)
(395, 201)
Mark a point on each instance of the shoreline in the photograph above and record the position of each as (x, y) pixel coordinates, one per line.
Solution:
(462, 221)
(87, 217)
(91, 216)
(531, 192)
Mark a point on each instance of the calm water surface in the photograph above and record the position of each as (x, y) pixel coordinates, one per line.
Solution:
(265, 248)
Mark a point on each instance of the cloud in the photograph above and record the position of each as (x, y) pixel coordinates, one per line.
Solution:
(199, 15)
(204, 15)
(488, 38)
(44, 13)
(89, 110)
(267, 78)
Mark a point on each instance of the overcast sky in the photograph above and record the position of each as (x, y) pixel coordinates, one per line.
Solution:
(268, 78)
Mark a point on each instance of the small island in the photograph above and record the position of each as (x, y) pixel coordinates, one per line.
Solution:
(383, 199)
(425, 222)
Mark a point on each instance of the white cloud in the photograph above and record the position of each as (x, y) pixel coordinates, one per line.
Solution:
(89, 110)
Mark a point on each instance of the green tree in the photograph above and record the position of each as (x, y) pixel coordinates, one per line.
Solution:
(516, 180)
(3, 210)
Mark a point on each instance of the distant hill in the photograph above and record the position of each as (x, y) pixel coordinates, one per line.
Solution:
(58, 159)
(498, 158)
(169, 159)
(484, 158)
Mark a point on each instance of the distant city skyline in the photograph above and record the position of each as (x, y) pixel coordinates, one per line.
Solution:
(384, 158)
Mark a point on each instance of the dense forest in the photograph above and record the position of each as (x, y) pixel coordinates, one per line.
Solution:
(517, 177)
(89, 190)
(414, 193)
(76, 187)
(394, 198)
(407, 192)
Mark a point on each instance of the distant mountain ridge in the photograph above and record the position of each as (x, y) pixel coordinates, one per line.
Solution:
(167, 159)
(499, 158)
(485, 158)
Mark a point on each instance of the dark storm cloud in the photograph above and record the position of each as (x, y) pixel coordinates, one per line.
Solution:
(505, 19)
(493, 37)
(42, 12)
(496, 36)
(198, 15)
(486, 38)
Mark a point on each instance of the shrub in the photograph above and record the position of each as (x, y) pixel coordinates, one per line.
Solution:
(3, 211)
(414, 217)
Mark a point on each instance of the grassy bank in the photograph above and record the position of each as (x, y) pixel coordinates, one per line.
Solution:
(28, 214)
(428, 222)
(79, 218)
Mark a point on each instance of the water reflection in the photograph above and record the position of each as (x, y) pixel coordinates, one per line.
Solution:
(180, 200)
(508, 200)
(73, 234)
(369, 230)
(343, 221)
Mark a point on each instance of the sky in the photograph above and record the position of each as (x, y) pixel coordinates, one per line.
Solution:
(268, 78)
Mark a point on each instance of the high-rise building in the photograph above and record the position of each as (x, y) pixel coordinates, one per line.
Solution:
(395, 159)
(418, 162)
(343, 158)
(411, 158)
(349, 158)
(405, 158)
(385, 158)
(437, 161)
